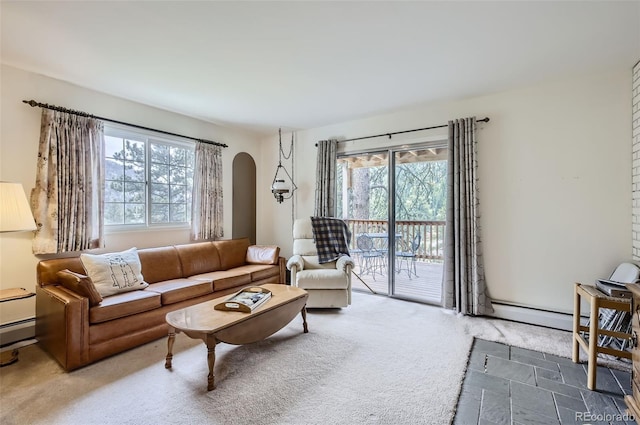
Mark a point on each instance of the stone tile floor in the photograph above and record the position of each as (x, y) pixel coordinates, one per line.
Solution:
(515, 386)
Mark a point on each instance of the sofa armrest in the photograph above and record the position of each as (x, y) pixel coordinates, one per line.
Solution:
(62, 325)
(80, 284)
(345, 263)
(295, 262)
(262, 254)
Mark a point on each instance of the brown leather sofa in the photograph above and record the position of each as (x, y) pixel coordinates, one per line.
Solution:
(77, 329)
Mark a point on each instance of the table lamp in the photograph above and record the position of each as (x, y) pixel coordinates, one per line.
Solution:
(15, 214)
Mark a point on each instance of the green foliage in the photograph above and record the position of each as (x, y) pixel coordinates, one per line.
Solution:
(421, 190)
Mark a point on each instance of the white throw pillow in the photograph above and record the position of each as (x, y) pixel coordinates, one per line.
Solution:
(114, 272)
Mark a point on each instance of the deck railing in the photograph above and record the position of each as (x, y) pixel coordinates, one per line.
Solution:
(431, 234)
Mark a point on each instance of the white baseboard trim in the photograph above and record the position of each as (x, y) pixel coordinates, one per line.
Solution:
(26, 329)
(533, 316)
(17, 331)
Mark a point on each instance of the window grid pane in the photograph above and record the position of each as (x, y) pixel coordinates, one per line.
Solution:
(164, 183)
(171, 178)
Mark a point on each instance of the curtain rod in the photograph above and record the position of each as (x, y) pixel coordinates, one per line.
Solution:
(33, 104)
(486, 119)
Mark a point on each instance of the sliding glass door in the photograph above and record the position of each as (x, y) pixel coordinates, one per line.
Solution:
(363, 202)
(396, 218)
(420, 195)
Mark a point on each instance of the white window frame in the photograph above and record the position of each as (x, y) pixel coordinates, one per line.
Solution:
(147, 137)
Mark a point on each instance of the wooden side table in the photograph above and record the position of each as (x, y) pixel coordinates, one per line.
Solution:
(597, 300)
(633, 400)
(12, 294)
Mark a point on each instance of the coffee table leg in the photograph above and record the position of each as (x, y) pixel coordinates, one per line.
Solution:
(172, 338)
(211, 359)
(304, 319)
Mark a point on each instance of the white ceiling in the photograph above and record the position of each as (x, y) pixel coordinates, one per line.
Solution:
(263, 65)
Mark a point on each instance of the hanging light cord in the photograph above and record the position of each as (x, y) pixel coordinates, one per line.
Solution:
(282, 154)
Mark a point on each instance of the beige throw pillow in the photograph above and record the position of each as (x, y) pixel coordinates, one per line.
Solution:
(114, 272)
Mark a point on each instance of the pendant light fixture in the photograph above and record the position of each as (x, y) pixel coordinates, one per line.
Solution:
(283, 186)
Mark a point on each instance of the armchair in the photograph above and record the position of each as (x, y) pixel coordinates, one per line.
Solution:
(328, 284)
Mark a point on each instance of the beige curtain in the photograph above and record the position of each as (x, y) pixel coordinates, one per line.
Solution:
(67, 200)
(326, 179)
(464, 285)
(206, 211)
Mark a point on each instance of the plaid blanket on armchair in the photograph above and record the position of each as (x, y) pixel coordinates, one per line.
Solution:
(332, 238)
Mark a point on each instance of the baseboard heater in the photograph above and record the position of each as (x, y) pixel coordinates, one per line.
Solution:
(17, 331)
(532, 315)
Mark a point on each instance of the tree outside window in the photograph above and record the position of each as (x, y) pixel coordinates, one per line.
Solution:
(147, 181)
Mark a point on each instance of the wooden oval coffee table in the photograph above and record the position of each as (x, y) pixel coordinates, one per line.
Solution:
(201, 321)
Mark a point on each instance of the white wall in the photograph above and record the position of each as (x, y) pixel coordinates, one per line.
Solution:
(555, 181)
(20, 130)
(555, 177)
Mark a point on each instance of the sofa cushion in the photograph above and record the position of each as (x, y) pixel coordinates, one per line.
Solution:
(176, 290)
(233, 252)
(197, 258)
(124, 304)
(261, 271)
(313, 262)
(224, 279)
(321, 279)
(159, 264)
(114, 272)
(302, 228)
(304, 247)
(262, 254)
(80, 284)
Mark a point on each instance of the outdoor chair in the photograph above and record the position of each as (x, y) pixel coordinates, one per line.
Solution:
(372, 260)
(407, 255)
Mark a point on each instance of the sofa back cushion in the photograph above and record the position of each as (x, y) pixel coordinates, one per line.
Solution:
(198, 258)
(233, 252)
(159, 264)
(303, 243)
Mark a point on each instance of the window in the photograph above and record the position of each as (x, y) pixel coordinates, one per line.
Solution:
(148, 180)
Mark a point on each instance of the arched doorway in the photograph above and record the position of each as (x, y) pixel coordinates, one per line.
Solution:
(244, 197)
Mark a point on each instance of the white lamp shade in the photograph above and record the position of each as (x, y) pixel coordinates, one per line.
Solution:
(15, 214)
(279, 186)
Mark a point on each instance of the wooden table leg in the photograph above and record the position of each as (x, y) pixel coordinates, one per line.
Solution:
(304, 319)
(593, 343)
(170, 340)
(576, 324)
(211, 359)
(7, 358)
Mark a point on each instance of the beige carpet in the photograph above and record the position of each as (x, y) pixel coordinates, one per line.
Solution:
(379, 361)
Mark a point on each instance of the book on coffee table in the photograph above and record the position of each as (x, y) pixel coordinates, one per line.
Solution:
(246, 300)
